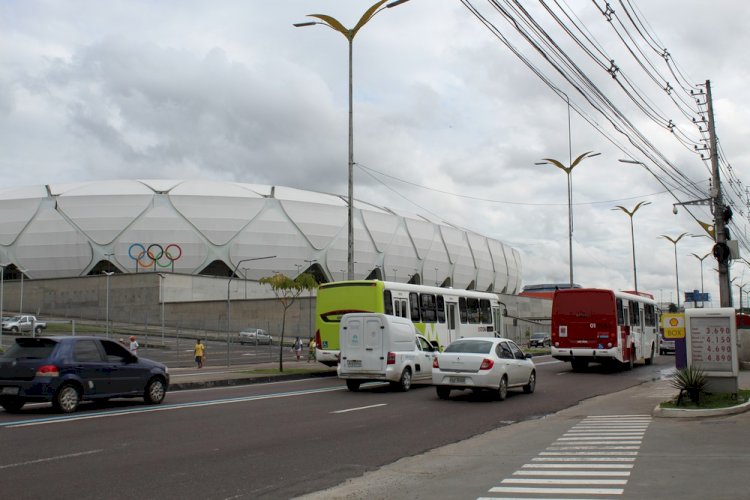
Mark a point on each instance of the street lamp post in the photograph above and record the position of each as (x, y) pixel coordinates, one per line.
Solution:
(632, 236)
(106, 317)
(229, 303)
(244, 274)
(701, 260)
(350, 34)
(676, 272)
(568, 171)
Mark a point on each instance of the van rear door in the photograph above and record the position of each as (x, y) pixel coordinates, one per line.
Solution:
(362, 345)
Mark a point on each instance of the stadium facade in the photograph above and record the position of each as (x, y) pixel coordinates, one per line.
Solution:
(221, 228)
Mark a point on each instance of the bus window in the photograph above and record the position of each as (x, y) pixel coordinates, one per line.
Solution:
(428, 309)
(650, 314)
(388, 302)
(485, 312)
(403, 308)
(463, 315)
(414, 303)
(440, 309)
(620, 314)
(472, 310)
(635, 319)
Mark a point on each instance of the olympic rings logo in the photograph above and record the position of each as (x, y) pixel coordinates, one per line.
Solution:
(155, 255)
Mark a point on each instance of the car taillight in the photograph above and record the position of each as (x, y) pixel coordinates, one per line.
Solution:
(487, 364)
(47, 371)
(391, 358)
(435, 363)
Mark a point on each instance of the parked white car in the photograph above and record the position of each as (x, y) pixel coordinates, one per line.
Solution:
(385, 348)
(255, 336)
(495, 364)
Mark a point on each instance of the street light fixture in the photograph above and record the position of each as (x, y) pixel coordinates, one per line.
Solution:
(229, 303)
(676, 272)
(701, 259)
(632, 237)
(350, 34)
(568, 171)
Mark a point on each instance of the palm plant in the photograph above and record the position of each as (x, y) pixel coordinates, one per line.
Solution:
(691, 381)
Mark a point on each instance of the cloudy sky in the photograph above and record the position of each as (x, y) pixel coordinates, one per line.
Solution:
(448, 119)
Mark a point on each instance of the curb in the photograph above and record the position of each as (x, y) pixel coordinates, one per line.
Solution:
(693, 413)
(260, 379)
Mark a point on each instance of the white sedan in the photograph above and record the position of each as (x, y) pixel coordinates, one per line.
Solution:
(477, 363)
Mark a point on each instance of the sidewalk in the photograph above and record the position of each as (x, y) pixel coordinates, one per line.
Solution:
(256, 373)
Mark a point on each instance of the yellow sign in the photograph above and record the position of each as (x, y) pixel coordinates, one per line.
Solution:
(674, 325)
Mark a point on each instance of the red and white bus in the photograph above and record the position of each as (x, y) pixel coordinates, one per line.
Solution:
(591, 325)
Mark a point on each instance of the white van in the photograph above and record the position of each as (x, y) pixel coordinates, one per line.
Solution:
(378, 346)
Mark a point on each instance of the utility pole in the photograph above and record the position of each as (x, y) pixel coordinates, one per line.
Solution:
(721, 251)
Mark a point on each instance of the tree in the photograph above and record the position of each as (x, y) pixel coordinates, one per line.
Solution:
(287, 290)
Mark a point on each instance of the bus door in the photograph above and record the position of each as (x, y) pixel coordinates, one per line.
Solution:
(450, 320)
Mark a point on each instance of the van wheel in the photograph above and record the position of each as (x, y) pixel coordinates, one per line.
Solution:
(352, 385)
(443, 392)
(502, 390)
(404, 383)
(529, 388)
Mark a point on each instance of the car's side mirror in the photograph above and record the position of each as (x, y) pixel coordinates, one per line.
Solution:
(529, 355)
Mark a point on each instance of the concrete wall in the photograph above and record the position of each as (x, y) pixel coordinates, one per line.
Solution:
(200, 303)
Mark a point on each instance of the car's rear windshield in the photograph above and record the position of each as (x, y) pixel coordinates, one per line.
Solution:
(32, 348)
(470, 346)
(538, 335)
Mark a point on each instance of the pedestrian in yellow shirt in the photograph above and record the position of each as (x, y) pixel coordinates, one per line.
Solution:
(200, 353)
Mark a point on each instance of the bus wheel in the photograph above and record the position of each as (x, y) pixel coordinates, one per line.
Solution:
(650, 359)
(628, 365)
(579, 365)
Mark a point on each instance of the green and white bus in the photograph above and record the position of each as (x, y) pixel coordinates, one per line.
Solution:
(440, 314)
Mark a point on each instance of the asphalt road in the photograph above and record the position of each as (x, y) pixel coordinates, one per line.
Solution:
(275, 440)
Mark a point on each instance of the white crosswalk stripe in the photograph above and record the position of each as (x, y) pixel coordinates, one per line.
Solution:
(593, 458)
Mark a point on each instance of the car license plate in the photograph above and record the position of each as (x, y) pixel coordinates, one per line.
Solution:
(354, 363)
(9, 391)
(457, 380)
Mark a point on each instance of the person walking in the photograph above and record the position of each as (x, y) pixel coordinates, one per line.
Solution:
(311, 349)
(297, 347)
(200, 353)
(133, 346)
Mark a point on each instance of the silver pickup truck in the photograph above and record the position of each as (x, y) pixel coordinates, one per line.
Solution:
(23, 323)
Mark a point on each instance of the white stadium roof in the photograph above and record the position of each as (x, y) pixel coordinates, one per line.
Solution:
(192, 227)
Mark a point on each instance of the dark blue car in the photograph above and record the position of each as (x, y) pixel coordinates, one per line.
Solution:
(67, 370)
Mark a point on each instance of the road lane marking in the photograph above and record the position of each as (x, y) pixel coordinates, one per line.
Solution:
(151, 409)
(359, 408)
(50, 459)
